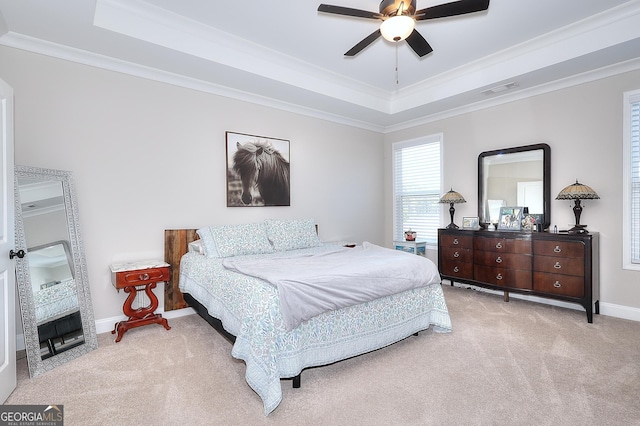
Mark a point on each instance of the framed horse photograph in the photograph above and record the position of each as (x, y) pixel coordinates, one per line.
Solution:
(257, 171)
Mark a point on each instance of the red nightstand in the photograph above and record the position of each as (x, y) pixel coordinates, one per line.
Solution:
(135, 277)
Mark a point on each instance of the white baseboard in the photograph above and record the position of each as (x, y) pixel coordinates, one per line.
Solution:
(107, 324)
(609, 309)
(620, 311)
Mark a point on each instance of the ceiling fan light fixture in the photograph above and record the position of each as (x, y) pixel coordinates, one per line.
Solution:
(397, 28)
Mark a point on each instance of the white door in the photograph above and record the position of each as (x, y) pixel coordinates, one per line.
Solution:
(7, 230)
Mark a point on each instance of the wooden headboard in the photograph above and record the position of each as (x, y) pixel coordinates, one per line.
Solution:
(176, 243)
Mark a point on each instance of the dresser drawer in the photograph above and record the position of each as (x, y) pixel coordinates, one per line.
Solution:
(559, 248)
(502, 245)
(503, 260)
(141, 276)
(456, 254)
(559, 265)
(510, 278)
(457, 269)
(565, 285)
(460, 241)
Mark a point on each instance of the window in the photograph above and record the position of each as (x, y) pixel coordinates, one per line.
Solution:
(417, 188)
(631, 167)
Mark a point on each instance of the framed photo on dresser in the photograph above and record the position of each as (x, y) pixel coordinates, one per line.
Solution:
(471, 223)
(510, 219)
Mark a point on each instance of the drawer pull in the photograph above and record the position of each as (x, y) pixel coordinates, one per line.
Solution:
(499, 277)
(499, 260)
(557, 249)
(456, 254)
(557, 284)
(557, 265)
(499, 245)
(456, 269)
(455, 241)
(143, 277)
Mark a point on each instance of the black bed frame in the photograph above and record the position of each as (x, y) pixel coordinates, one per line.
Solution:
(217, 324)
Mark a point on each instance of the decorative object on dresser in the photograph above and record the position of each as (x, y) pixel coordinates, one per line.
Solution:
(134, 277)
(510, 219)
(556, 266)
(452, 197)
(577, 191)
(470, 222)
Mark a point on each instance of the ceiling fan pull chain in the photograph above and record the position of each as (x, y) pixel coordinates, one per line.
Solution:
(397, 78)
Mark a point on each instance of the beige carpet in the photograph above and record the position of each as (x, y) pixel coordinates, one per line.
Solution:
(515, 363)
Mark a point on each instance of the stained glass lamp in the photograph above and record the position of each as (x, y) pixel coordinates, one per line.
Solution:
(577, 192)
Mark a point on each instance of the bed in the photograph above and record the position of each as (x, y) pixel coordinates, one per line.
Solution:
(248, 309)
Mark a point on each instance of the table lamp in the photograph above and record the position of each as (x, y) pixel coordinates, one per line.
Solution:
(577, 192)
(452, 197)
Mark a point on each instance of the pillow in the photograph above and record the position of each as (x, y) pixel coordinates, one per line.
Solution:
(291, 234)
(209, 244)
(235, 240)
(197, 247)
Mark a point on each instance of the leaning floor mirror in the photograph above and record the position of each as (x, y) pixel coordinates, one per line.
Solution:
(51, 271)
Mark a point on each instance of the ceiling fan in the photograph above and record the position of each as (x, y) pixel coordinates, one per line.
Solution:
(399, 18)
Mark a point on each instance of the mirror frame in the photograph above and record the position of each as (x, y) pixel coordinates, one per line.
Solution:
(546, 170)
(37, 365)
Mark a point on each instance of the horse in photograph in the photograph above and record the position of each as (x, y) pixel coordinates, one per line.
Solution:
(260, 165)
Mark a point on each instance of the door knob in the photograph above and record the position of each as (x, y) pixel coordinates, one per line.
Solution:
(20, 253)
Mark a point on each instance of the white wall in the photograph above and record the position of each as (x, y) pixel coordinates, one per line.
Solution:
(148, 156)
(583, 126)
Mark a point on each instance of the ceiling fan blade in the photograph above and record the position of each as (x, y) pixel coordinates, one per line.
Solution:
(460, 7)
(364, 43)
(419, 44)
(347, 11)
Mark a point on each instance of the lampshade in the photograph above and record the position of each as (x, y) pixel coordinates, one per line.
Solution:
(577, 191)
(452, 197)
(397, 28)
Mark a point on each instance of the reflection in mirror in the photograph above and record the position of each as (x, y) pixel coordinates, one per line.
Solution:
(55, 297)
(53, 288)
(517, 176)
(50, 264)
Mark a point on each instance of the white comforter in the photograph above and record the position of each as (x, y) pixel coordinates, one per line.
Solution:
(311, 284)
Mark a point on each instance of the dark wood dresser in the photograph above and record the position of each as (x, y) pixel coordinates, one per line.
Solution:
(556, 266)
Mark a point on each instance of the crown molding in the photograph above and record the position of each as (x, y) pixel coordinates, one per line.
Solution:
(46, 48)
(606, 29)
(152, 24)
(587, 77)
(83, 57)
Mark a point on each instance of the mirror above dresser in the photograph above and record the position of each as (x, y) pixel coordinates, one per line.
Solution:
(518, 176)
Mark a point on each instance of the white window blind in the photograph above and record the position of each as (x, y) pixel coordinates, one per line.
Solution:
(417, 188)
(631, 218)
